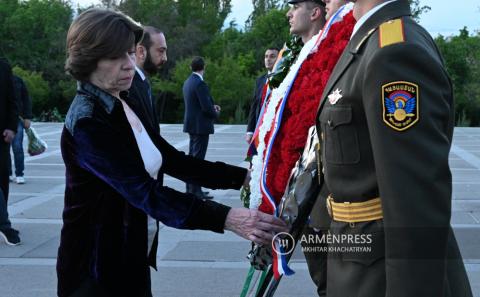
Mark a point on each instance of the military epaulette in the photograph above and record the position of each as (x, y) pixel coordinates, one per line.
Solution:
(391, 32)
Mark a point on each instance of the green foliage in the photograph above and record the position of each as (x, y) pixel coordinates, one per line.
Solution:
(462, 57)
(249, 47)
(36, 32)
(52, 115)
(33, 38)
(229, 86)
(292, 49)
(189, 25)
(418, 9)
(269, 30)
(260, 8)
(33, 33)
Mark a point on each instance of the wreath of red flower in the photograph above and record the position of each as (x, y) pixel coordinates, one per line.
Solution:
(301, 107)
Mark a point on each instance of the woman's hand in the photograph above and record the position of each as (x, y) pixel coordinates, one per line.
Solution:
(254, 225)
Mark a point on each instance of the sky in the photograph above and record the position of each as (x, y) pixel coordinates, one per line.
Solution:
(445, 17)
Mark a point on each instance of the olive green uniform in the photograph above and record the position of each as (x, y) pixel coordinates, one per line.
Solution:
(386, 122)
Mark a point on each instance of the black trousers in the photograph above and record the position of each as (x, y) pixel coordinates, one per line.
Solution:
(316, 260)
(4, 165)
(4, 186)
(198, 149)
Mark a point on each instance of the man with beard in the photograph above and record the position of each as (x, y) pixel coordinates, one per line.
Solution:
(151, 54)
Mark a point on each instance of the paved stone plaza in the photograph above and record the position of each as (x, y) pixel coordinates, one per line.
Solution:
(194, 263)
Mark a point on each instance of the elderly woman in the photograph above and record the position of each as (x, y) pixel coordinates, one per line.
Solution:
(114, 167)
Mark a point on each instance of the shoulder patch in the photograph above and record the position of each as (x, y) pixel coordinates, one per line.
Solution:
(400, 102)
(391, 32)
(81, 107)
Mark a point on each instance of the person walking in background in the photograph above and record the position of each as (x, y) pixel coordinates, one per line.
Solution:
(200, 113)
(8, 126)
(150, 54)
(24, 104)
(261, 87)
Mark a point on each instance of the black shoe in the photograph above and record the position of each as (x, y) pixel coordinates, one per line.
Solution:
(11, 236)
(205, 192)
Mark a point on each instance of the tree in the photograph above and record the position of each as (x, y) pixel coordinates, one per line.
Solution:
(35, 33)
(269, 30)
(37, 87)
(417, 9)
(462, 59)
(229, 86)
(33, 37)
(261, 7)
(189, 25)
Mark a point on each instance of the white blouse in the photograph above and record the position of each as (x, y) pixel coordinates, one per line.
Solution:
(151, 156)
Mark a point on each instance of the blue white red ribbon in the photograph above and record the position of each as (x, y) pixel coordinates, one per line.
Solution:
(271, 118)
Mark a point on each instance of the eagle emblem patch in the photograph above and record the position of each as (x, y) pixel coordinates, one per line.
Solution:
(400, 102)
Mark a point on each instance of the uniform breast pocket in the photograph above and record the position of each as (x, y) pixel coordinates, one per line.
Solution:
(340, 136)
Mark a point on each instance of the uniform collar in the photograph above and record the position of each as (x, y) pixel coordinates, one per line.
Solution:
(106, 100)
(366, 16)
(387, 11)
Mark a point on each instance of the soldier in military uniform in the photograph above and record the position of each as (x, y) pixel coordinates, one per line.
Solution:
(386, 120)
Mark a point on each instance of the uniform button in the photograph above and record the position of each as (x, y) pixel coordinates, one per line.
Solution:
(323, 170)
(321, 136)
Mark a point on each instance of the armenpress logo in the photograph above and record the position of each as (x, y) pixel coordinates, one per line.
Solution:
(285, 241)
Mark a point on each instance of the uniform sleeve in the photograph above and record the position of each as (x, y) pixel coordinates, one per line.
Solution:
(412, 168)
(205, 100)
(108, 157)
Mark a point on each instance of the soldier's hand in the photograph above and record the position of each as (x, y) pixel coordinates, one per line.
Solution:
(254, 225)
(8, 135)
(248, 138)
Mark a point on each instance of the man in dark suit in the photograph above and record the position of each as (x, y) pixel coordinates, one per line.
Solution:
(385, 124)
(151, 54)
(271, 55)
(200, 113)
(8, 126)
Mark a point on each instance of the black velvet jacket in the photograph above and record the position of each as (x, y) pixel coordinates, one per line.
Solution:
(109, 194)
